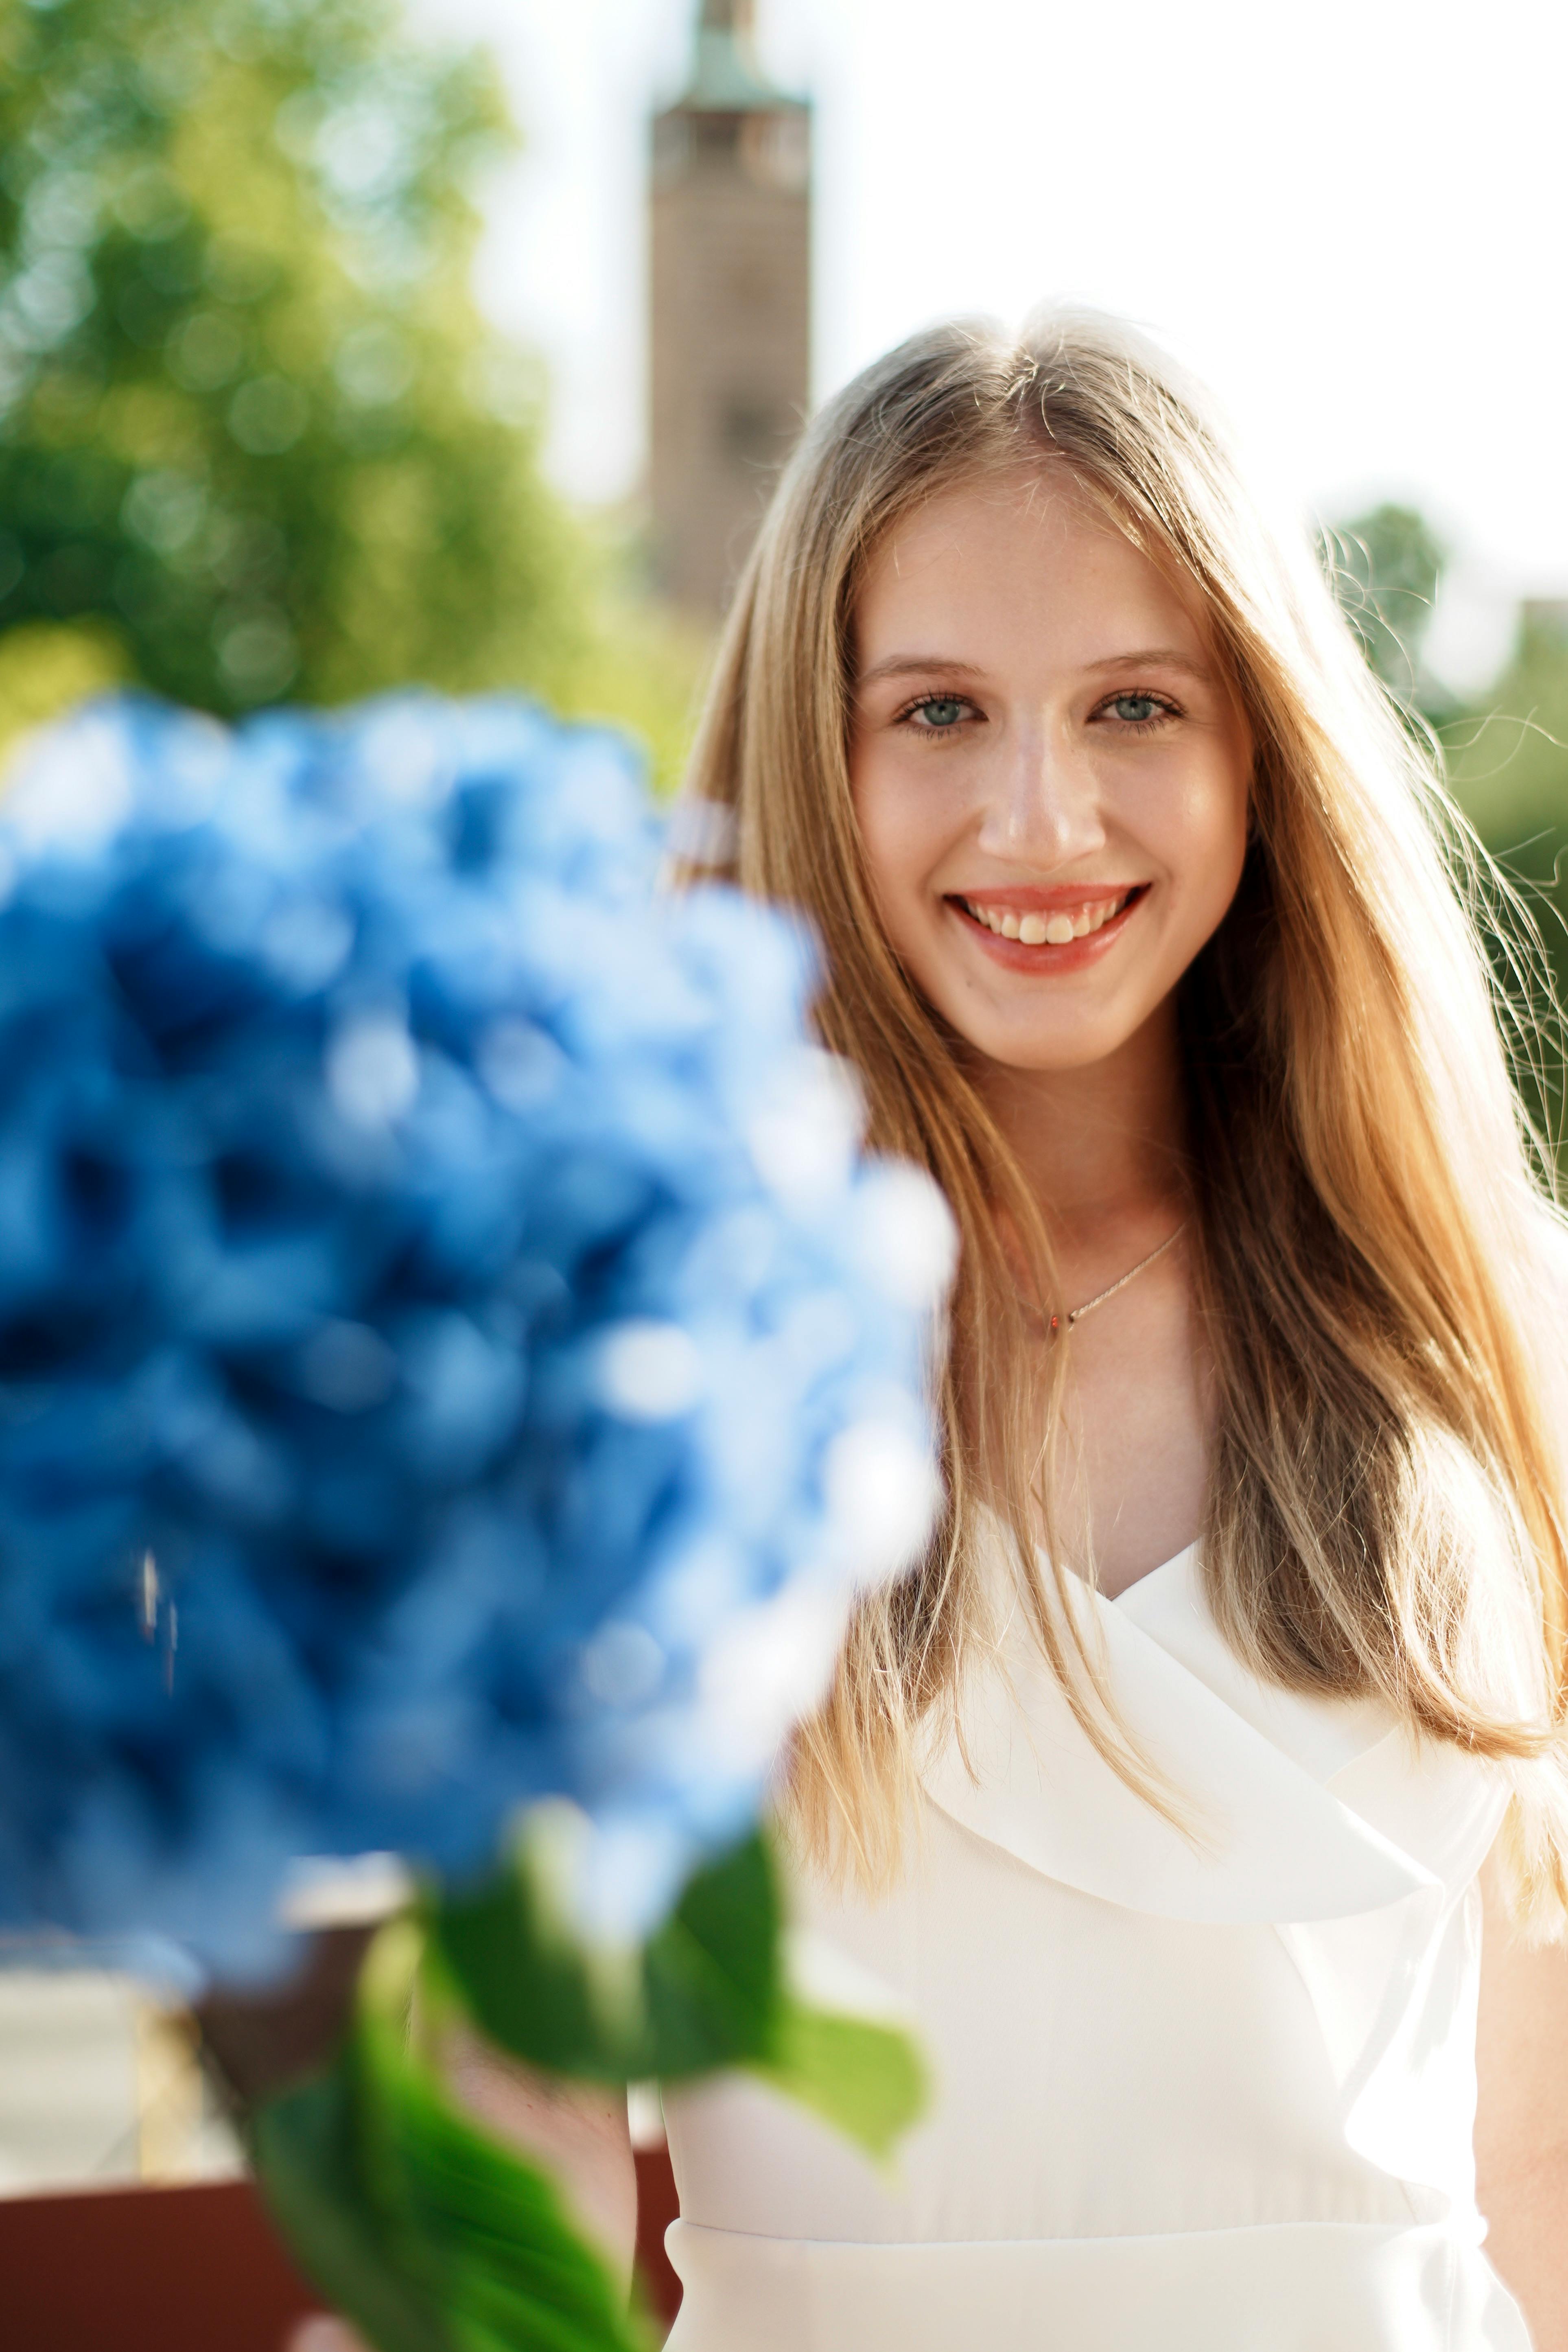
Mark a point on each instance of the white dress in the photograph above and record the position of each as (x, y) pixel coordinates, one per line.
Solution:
(1189, 2096)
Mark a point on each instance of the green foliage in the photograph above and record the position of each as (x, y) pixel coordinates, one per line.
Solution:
(45, 667)
(429, 2233)
(703, 1993)
(248, 414)
(425, 2230)
(254, 440)
(1505, 758)
(710, 1989)
(1385, 568)
(1508, 756)
(1506, 751)
(863, 2077)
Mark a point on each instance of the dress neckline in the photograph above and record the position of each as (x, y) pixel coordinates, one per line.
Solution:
(1177, 1560)
(1272, 1842)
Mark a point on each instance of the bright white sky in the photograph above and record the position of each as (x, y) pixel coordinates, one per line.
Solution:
(1349, 216)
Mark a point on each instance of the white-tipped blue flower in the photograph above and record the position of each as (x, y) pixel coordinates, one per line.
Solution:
(452, 1354)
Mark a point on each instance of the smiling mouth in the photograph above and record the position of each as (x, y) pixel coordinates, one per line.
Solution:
(1056, 927)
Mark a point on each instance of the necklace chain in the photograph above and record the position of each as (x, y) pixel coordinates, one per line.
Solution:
(1077, 1313)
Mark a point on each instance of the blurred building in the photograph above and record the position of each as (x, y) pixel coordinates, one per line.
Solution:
(99, 2086)
(730, 292)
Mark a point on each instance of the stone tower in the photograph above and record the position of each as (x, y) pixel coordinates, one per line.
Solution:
(730, 328)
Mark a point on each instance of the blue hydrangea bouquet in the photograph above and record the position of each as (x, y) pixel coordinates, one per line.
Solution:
(456, 1370)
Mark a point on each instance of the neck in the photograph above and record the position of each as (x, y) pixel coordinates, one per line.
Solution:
(1102, 1145)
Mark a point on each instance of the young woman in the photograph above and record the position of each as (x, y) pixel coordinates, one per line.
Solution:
(1157, 1797)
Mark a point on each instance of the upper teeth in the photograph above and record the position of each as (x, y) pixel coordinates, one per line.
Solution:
(1046, 930)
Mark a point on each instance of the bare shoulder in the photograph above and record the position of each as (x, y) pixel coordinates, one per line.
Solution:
(1522, 2115)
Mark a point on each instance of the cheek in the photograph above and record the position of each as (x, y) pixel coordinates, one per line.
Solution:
(892, 840)
(1208, 848)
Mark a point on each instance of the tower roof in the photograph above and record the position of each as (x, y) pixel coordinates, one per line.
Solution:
(726, 78)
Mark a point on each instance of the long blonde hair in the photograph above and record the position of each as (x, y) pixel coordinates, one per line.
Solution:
(1370, 1210)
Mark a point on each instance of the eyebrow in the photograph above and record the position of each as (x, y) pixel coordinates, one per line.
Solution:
(924, 665)
(915, 665)
(1157, 658)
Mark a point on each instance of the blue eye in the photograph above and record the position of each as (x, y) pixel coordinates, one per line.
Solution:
(1138, 710)
(941, 710)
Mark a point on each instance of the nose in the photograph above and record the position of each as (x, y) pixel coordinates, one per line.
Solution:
(1042, 806)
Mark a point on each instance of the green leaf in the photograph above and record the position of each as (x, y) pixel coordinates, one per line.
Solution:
(702, 1995)
(523, 1981)
(431, 2235)
(708, 1993)
(302, 2148)
(866, 2078)
(712, 1970)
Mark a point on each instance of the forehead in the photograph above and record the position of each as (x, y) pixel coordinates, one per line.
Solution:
(1026, 561)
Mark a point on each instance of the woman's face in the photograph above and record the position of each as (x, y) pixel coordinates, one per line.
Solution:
(1050, 771)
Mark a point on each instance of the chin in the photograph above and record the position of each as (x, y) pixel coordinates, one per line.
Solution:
(1050, 1057)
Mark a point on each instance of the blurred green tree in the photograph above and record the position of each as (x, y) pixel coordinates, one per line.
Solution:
(1507, 758)
(250, 420)
(1505, 755)
(1508, 755)
(1385, 568)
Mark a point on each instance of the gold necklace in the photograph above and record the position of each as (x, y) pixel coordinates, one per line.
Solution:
(1077, 1313)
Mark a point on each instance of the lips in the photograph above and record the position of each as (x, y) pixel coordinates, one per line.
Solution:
(1031, 930)
(1038, 927)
